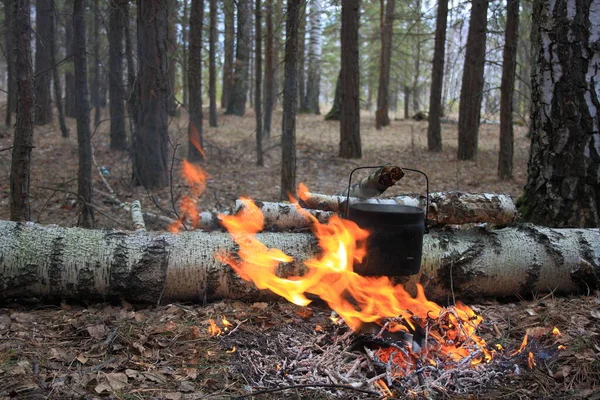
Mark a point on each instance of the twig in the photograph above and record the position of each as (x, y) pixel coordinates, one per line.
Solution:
(314, 385)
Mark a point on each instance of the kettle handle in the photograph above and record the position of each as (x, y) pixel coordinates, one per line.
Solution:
(381, 166)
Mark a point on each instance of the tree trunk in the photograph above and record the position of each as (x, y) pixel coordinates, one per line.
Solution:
(150, 155)
(290, 87)
(173, 19)
(185, 35)
(84, 177)
(195, 128)
(11, 96)
(95, 89)
(70, 103)
(239, 89)
(314, 59)
(116, 27)
(564, 164)
(278, 48)
(132, 92)
(507, 88)
(258, 83)
(145, 266)
(269, 71)
(301, 57)
(416, 89)
(20, 166)
(55, 77)
(43, 69)
(212, 78)
(407, 90)
(350, 146)
(334, 113)
(228, 10)
(387, 30)
(472, 83)
(434, 128)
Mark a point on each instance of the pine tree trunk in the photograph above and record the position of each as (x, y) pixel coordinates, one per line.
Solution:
(269, 71)
(43, 69)
(350, 145)
(228, 10)
(507, 88)
(150, 155)
(251, 55)
(116, 27)
(95, 87)
(407, 90)
(416, 88)
(290, 87)
(20, 167)
(70, 102)
(185, 29)
(434, 129)
(387, 30)
(314, 59)
(564, 165)
(277, 50)
(472, 83)
(11, 96)
(239, 89)
(212, 79)
(334, 113)
(172, 56)
(55, 76)
(195, 129)
(302, 58)
(84, 177)
(132, 90)
(258, 82)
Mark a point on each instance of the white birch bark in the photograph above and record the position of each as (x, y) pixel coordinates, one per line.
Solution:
(57, 262)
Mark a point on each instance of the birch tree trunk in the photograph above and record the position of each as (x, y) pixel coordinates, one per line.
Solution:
(314, 59)
(57, 262)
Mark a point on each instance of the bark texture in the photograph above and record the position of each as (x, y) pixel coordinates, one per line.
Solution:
(563, 185)
(212, 65)
(70, 102)
(472, 82)
(43, 68)
(11, 87)
(350, 145)
(301, 57)
(334, 113)
(434, 128)
(150, 158)
(258, 82)
(173, 18)
(228, 11)
(56, 262)
(116, 28)
(314, 59)
(269, 70)
(387, 30)
(195, 129)
(20, 167)
(237, 98)
(376, 183)
(290, 87)
(95, 84)
(55, 76)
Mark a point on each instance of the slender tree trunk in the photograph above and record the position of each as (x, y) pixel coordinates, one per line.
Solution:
(269, 71)
(20, 167)
(302, 58)
(564, 164)
(116, 27)
(43, 68)
(251, 55)
(132, 92)
(55, 77)
(185, 34)
(195, 132)
(228, 10)
(150, 155)
(387, 30)
(258, 83)
(95, 89)
(434, 129)
(70, 95)
(288, 123)
(314, 59)
(84, 177)
(407, 90)
(416, 89)
(277, 50)
(507, 88)
(334, 113)
(212, 84)
(239, 90)
(11, 96)
(472, 83)
(172, 56)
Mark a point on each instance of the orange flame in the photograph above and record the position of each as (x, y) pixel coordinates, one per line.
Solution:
(556, 332)
(196, 178)
(213, 329)
(520, 349)
(194, 139)
(303, 192)
(531, 361)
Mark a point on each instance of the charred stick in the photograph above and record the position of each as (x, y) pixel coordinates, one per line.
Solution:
(376, 183)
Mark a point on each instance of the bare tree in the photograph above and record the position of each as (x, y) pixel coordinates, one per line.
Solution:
(55, 77)
(269, 70)
(228, 10)
(290, 88)
(434, 129)
(212, 73)
(507, 88)
(20, 167)
(116, 28)
(195, 134)
(239, 90)
(11, 96)
(84, 176)
(43, 69)
(314, 59)
(350, 146)
(472, 83)
(258, 83)
(387, 30)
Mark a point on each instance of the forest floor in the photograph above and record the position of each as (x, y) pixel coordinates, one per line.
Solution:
(123, 351)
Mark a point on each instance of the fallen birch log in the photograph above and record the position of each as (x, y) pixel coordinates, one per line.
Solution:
(445, 208)
(57, 262)
(375, 183)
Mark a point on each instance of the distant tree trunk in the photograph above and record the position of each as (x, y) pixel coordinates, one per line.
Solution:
(195, 134)
(387, 30)
(43, 68)
(55, 77)
(258, 82)
(334, 113)
(212, 79)
(350, 146)
(301, 57)
(269, 71)
(314, 59)
(507, 88)
(150, 154)
(290, 87)
(251, 55)
(20, 167)
(434, 129)
(185, 35)
(228, 10)
(239, 89)
(70, 102)
(132, 91)
(472, 83)
(95, 89)
(564, 163)
(11, 96)
(407, 90)
(416, 89)
(116, 27)
(84, 177)
(277, 50)
(172, 56)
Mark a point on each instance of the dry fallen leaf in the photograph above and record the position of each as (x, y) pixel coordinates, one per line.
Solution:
(155, 377)
(595, 314)
(537, 331)
(97, 331)
(82, 359)
(173, 396)
(114, 381)
(304, 312)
